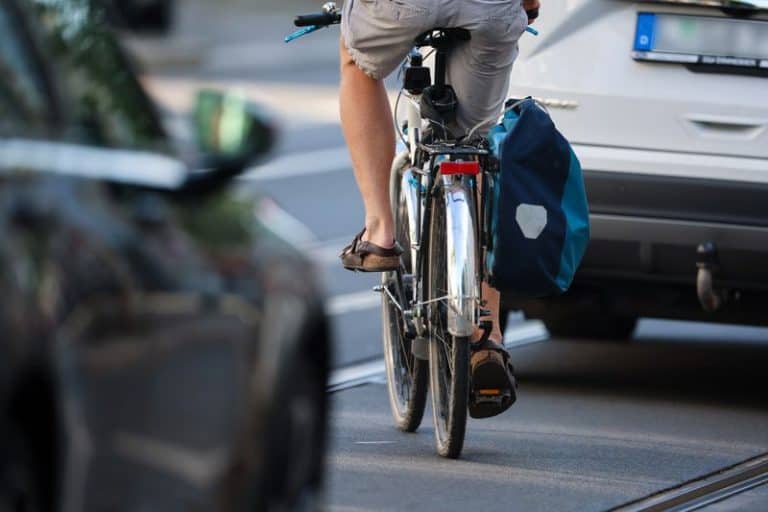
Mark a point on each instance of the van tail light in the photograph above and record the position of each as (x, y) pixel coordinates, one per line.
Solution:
(472, 168)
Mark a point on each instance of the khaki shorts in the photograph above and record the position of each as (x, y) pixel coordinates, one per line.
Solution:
(379, 34)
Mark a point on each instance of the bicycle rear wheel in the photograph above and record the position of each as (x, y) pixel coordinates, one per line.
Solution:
(448, 354)
(406, 375)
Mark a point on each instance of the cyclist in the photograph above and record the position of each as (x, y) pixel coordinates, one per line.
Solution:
(376, 35)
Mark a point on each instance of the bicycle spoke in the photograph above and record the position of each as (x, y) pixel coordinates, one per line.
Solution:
(403, 353)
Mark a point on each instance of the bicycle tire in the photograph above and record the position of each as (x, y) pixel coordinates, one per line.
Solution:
(407, 380)
(448, 355)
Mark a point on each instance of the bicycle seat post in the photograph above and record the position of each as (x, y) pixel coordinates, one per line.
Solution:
(441, 54)
(438, 101)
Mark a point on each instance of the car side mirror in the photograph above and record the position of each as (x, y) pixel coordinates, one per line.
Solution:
(231, 133)
(229, 129)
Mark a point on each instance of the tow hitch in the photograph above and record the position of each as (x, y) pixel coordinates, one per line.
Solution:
(708, 263)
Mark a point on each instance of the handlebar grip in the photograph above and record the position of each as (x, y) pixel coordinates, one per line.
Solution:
(322, 19)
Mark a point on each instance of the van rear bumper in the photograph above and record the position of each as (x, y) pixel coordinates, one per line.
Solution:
(730, 202)
(647, 226)
(664, 250)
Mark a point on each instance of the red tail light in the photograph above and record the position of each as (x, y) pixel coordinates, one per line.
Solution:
(460, 168)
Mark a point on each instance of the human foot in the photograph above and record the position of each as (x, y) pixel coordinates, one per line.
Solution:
(492, 378)
(366, 256)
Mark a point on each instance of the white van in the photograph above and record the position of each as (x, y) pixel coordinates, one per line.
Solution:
(666, 104)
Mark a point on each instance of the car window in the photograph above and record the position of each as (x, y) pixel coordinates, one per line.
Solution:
(24, 104)
(102, 100)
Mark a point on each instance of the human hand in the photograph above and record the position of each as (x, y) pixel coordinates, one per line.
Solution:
(532, 9)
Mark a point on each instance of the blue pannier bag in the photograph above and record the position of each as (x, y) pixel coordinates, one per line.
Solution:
(536, 211)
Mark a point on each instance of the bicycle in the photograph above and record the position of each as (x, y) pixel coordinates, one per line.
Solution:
(432, 304)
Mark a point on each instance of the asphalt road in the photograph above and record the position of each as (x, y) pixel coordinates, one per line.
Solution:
(596, 424)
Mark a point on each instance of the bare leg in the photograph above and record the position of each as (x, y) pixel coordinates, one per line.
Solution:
(492, 299)
(492, 303)
(366, 119)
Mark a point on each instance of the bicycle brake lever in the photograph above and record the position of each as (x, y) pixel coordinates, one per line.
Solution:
(301, 32)
(531, 30)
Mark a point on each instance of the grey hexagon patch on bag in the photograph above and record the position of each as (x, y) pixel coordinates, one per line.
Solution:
(532, 219)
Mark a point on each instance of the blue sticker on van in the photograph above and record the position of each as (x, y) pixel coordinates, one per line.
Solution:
(646, 25)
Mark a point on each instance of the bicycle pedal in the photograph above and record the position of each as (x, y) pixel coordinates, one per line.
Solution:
(420, 348)
(490, 396)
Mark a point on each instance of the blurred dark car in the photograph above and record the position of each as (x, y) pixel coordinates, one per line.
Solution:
(142, 15)
(162, 346)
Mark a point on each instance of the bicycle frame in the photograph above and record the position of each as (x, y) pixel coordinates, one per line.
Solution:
(422, 184)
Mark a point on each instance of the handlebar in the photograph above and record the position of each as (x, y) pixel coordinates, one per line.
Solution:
(324, 19)
(330, 15)
(320, 19)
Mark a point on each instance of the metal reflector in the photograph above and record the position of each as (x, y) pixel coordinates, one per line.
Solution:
(459, 168)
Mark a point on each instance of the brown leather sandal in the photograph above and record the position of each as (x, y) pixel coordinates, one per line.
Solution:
(364, 256)
(493, 381)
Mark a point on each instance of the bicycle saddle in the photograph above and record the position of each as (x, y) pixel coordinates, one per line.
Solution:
(442, 38)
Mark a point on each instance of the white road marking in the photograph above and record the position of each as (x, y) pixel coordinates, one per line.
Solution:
(327, 251)
(262, 55)
(374, 442)
(349, 302)
(286, 225)
(519, 334)
(522, 333)
(356, 375)
(294, 105)
(301, 164)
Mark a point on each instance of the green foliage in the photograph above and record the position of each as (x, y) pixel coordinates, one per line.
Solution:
(103, 100)
(220, 221)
